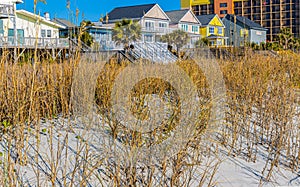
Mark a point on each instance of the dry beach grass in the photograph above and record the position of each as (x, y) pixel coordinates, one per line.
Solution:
(262, 111)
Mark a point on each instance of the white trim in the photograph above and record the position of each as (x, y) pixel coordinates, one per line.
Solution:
(150, 21)
(34, 16)
(218, 19)
(10, 2)
(193, 16)
(160, 10)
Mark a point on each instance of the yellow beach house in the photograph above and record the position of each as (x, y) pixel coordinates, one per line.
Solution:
(213, 29)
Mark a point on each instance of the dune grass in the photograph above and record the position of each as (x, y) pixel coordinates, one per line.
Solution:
(261, 106)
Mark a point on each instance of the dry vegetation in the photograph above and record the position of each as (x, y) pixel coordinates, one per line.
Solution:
(261, 109)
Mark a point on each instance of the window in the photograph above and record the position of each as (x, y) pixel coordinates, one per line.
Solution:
(220, 30)
(149, 25)
(49, 33)
(258, 33)
(148, 38)
(219, 42)
(223, 11)
(43, 33)
(211, 30)
(162, 25)
(184, 27)
(11, 32)
(244, 33)
(223, 4)
(1, 27)
(195, 28)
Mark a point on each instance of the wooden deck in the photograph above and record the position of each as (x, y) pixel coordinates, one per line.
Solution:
(32, 43)
(46, 48)
(6, 10)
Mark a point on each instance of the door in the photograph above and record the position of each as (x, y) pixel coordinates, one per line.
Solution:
(1, 33)
(1, 28)
(11, 37)
(20, 34)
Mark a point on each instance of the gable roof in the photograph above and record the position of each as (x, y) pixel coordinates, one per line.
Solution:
(129, 12)
(205, 19)
(63, 22)
(176, 15)
(244, 22)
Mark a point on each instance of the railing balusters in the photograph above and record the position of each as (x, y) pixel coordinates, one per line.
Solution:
(8, 41)
(6, 10)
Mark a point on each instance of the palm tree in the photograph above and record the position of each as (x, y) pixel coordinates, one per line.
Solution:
(178, 38)
(201, 43)
(125, 32)
(81, 35)
(286, 38)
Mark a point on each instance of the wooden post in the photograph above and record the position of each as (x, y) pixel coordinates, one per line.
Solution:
(15, 32)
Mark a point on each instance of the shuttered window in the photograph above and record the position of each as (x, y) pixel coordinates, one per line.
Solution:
(1, 27)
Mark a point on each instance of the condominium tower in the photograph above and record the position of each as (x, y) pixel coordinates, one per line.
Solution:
(270, 14)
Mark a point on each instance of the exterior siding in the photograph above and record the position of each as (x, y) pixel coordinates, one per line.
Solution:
(103, 37)
(217, 24)
(191, 22)
(233, 33)
(157, 17)
(238, 35)
(188, 17)
(216, 30)
(258, 36)
(149, 33)
(203, 31)
(30, 28)
(29, 33)
(189, 27)
(156, 12)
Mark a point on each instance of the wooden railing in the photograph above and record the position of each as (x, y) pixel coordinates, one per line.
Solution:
(158, 30)
(6, 10)
(31, 42)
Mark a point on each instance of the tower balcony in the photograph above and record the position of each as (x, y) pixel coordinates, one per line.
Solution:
(6, 10)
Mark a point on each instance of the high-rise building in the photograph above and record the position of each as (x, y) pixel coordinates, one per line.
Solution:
(270, 14)
(202, 7)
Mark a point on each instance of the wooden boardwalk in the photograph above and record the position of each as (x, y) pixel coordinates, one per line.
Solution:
(24, 49)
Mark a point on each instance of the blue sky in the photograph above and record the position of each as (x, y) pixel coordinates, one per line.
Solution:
(90, 9)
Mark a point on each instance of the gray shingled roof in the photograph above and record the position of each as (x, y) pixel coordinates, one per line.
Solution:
(176, 15)
(63, 22)
(244, 22)
(129, 12)
(205, 19)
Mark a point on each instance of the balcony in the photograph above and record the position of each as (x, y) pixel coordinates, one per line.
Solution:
(158, 30)
(6, 11)
(31, 42)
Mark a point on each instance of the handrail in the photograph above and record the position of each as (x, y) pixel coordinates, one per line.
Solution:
(158, 29)
(126, 56)
(155, 52)
(32, 42)
(84, 47)
(6, 9)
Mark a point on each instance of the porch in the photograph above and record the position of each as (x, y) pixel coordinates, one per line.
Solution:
(32, 42)
(6, 10)
(216, 40)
